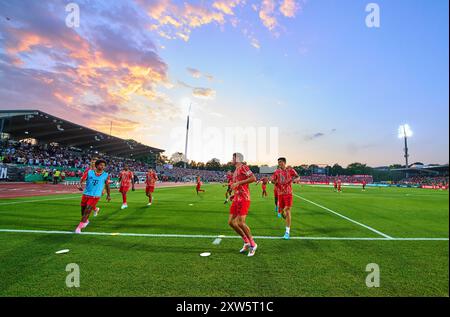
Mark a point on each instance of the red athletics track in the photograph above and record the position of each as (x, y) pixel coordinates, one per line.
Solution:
(13, 190)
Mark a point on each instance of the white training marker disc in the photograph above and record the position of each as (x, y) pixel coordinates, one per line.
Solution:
(62, 251)
(205, 254)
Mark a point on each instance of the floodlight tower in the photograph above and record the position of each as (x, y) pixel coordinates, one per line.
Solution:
(404, 132)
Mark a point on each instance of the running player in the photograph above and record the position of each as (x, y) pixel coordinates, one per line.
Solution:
(229, 192)
(283, 179)
(150, 180)
(339, 184)
(126, 179)
(335, 184)
(83, 178)
(364, 184)
(198, 188)
(264, 180)
(242, 176)
(96, 180)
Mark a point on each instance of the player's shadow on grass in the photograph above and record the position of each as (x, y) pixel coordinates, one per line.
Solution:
(151, 245)
(162, 228)
(105, 215)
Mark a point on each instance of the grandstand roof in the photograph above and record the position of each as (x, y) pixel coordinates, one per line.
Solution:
(22, 124)
(431, 169)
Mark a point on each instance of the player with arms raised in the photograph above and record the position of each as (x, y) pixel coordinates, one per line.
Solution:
(242, 176)
(283, 179)
(150, 180)
(95, 180)
(126, 180)
(264, 180)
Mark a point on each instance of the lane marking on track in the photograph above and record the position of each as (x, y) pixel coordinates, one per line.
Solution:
(163, 235)
(345, 217)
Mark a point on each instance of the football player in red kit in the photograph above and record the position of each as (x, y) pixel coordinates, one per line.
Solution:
(263, 182)
(126, 180)
(229, 192)
(150, 180)
(83, 178)
(283, 179)
(242, 177)
(198, 188)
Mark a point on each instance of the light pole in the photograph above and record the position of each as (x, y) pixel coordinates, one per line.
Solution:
(404, 132)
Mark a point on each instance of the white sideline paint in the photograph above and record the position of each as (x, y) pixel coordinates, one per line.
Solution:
(67, 198)
(156, 235)
(345, 217)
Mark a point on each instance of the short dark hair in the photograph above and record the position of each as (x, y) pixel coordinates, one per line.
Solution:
(282, 159)
(98, 162)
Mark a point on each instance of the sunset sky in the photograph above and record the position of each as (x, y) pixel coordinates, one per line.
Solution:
(335, 89)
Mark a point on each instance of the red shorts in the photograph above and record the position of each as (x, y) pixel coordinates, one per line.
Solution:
(124, 189)
(89, 201)
(264, 187)
(239, 208)
(149, 189)
(284, 201)
(198, 187)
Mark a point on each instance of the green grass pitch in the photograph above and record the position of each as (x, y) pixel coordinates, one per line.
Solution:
(117, 265)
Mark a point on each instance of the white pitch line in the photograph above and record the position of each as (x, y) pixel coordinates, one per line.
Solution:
(163, 235)
(345, 217)
(217, 241)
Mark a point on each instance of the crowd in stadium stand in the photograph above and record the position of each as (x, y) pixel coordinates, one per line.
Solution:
(50, 158)
(55, 163)
(178, 174)
(325, 179)
(425, 181)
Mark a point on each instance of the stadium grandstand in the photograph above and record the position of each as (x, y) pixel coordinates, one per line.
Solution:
(34, 144)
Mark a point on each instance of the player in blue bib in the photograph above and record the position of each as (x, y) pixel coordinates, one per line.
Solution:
(96, 180)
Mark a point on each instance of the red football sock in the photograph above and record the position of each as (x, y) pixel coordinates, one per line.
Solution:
(246, 240)
(124, 198)
(252, 242)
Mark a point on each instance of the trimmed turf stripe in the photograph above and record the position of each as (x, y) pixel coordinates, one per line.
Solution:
(346, 218)
(156, 235)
